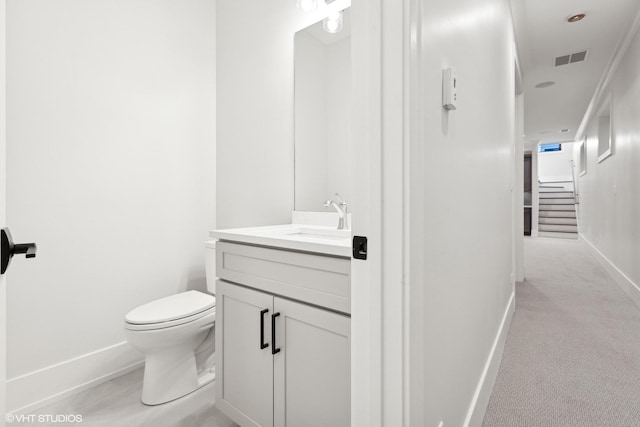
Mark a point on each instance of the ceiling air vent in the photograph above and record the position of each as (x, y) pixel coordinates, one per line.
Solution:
(571, 58)
(578, 57)
(563, 60)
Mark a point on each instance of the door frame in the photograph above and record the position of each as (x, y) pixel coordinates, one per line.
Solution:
(379, 285)
(3, 207)
(518, 179)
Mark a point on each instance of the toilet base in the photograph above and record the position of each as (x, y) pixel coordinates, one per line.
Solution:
(178, 358)
(172, 373)
(168, 377)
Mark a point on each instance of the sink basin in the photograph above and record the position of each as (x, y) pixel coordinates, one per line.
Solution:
(310, 238)
(320, 233)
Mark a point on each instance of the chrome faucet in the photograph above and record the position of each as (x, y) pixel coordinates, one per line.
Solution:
(341, 208)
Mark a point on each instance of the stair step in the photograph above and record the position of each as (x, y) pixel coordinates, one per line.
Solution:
(558, 235)
(556, 194)
(558, 227)
(565, 207)
(557, 214)
(563, 221)
(554, 190)
(557, 201)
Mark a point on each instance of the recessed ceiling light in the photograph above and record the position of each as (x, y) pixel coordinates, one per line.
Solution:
(545, 84)
(564, 130)
(575, 18)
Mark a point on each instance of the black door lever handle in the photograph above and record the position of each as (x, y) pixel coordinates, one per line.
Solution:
(29, 249)
(359, 247)
(8, 249)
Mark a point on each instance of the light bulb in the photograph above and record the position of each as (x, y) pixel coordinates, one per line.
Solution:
(307, 5)
(333, 23)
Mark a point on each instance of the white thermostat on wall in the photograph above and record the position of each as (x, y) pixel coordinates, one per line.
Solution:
(449, 91)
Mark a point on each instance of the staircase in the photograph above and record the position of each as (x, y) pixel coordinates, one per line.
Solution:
(557, 213)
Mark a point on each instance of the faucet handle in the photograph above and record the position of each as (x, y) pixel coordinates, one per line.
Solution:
(343, 204)
(342, 211)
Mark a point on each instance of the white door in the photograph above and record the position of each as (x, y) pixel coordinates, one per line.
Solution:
(3, 210)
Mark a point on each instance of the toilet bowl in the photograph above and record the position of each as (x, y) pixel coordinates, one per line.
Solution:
(170, 332)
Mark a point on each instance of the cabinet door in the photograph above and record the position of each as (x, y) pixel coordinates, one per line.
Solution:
(244, 370)
(311, 371)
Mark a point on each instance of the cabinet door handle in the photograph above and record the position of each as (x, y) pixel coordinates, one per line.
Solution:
(263, 344)
(274, 349)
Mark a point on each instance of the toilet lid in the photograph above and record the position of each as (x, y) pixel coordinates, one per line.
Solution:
(171, 308)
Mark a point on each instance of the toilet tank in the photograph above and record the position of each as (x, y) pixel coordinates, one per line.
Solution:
(210, 265)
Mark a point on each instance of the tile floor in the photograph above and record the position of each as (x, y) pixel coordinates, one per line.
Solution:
(116, 403)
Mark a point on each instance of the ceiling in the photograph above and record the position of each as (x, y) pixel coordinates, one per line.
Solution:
(542, 34)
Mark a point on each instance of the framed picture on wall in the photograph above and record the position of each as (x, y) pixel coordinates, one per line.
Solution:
(605, 130)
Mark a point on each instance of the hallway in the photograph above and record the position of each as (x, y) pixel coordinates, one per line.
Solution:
(572, 356)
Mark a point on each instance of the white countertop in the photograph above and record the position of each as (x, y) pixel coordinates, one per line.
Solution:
(302, 237)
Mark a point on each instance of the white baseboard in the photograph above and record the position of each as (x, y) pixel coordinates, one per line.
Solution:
(626, 284)
(480, 401)
(43, 387)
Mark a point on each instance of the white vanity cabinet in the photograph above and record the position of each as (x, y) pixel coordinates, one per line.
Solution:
(282, 358)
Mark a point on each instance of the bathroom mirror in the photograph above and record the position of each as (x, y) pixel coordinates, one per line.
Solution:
(323, 115)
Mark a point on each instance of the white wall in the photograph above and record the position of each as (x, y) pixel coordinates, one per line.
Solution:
(610, 191)
(111, 169)
(556, 165)
(465, 172)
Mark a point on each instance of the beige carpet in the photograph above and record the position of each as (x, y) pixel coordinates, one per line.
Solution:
(572, 356)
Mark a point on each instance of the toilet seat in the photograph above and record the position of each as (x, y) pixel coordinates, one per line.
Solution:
(171, 311)
(170, 324)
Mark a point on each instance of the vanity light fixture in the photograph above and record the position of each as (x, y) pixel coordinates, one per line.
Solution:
(307, 5)
(333, 23)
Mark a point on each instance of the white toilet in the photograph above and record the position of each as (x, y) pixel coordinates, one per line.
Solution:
(169, 331)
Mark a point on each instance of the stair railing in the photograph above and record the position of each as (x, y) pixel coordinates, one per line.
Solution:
(575, 184)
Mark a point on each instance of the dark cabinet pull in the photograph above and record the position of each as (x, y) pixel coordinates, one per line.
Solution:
(274, 349)
(263, 344)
